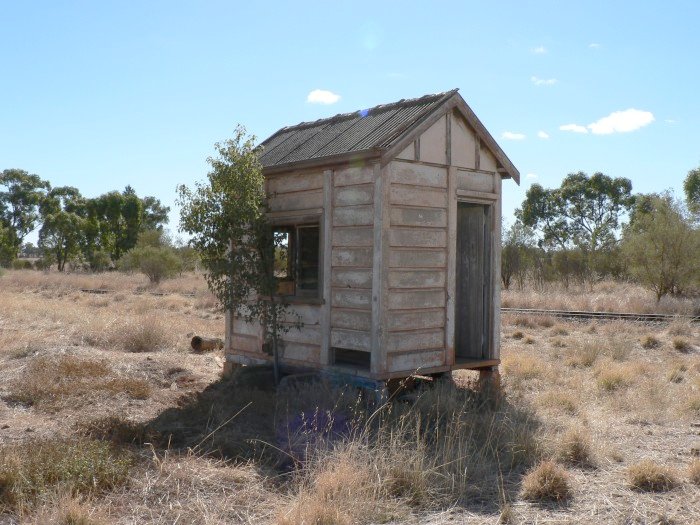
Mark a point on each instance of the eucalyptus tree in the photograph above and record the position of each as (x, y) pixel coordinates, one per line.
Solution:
(584, 212)
(20, 196)
(62, 214)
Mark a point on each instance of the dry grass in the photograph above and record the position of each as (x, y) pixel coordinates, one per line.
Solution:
(546, 482)
(583, 355)
(64, 508)
(694, 471)
(649, 476)
(523, 366)
(611, 376)
(443, 447)
(32, 469)
(563, 400)
(50, 383)
(603, 296)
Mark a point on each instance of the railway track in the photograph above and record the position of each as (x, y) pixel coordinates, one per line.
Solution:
(604, 316)
(566, 314)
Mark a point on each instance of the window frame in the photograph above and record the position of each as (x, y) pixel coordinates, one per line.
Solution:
(293, 224)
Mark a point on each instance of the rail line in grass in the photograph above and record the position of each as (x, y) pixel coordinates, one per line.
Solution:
(604, 316)
(567, 314)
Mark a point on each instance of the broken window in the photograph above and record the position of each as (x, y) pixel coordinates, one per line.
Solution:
(297, 250)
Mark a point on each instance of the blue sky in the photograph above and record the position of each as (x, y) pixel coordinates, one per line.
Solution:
(99, 95)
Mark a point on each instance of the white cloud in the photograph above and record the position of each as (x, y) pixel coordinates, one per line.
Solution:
(531, 176)
(543, 134)
(543, 81)
(594, 45)
(509, 135)
(621, 122)
(575, 128)
(539, 50)
(322, 96)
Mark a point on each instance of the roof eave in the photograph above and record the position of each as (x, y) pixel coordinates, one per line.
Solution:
(332, 160)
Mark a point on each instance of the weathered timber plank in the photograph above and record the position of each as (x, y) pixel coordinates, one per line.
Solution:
(409, 300)
(423, 217)
(353, 175)
(418, 174)
(419, 238)
(415, 361)
(350, 339)
(301, 352)
(474, 181)
(245, 343)
(326, 267)
(294, 182)
(463, 144)
(240, 327)
(380, 270)
(361, 257)
(416, 319)
(351, 298)
(353, 195)
(309, 313)
(353, 236)
(308, 334)
(351, 319)
(353, 216)
(433, 143)
(417, 196)
(416, 278)
(416, 340)
(300, 200)
(351, 278)
(409, 153)
(416, 258)
(488, 161)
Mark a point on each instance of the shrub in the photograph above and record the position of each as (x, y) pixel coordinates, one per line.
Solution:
(649, 476)
(82, 466)
(157, 262)
(546, 482)
(22, 264)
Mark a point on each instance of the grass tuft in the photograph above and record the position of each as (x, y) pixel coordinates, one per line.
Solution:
(546, 482)
(649, 342)
(681, 344)
(576, 449)
(649, 476)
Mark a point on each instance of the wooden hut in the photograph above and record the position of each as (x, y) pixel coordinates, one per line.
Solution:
(392, 217)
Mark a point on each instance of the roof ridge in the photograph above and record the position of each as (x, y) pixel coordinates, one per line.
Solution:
(380, 107)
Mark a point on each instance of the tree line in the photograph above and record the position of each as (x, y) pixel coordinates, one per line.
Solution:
(88, 233)
(594, 227)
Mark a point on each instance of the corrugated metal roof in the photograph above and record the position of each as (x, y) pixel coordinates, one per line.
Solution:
(363, 130)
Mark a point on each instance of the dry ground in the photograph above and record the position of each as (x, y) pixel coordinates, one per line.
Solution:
(106, 416)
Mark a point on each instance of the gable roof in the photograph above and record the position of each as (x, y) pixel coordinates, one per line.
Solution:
(373, 132)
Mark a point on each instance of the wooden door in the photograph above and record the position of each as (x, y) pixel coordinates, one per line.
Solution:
(473, 294)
